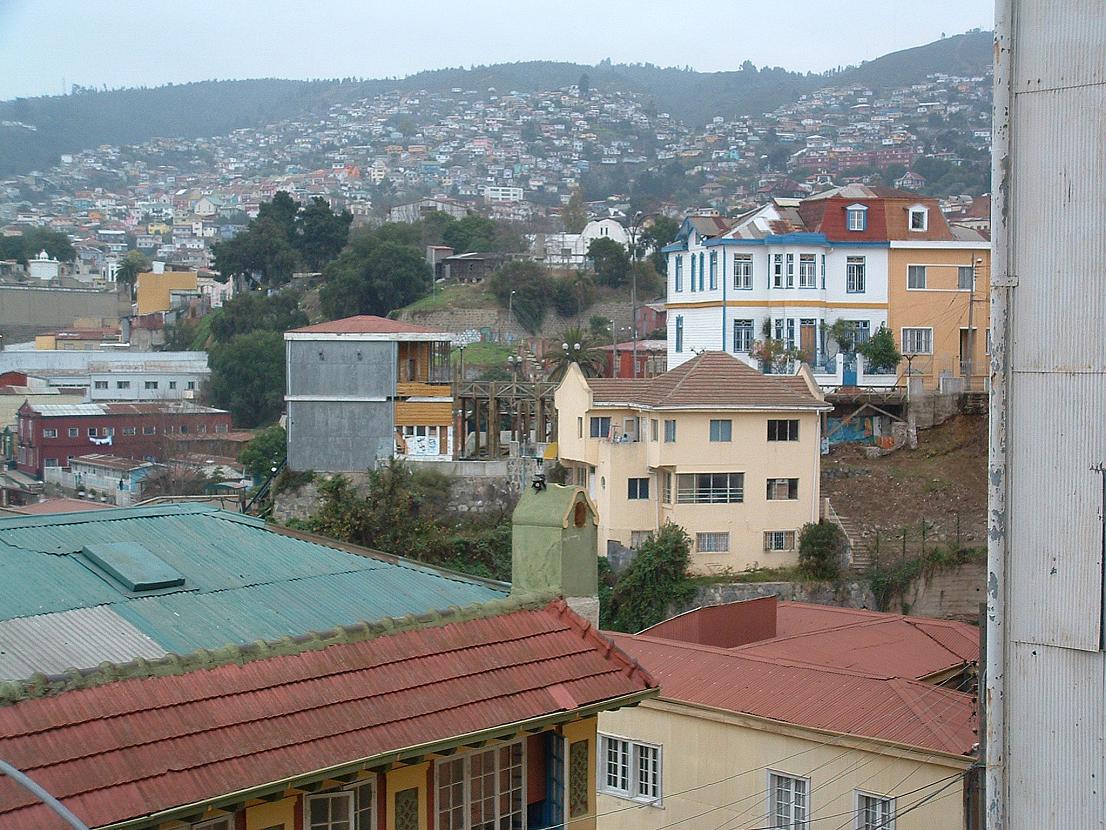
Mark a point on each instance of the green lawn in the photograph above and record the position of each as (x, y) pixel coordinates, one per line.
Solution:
(449, 297)
(484, 354)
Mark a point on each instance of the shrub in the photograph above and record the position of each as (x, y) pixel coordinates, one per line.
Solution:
(655, 580)
(821, 550)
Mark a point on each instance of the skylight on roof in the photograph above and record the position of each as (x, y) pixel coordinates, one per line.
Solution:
(133, 567)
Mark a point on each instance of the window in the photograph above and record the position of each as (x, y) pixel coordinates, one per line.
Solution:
(364, 805)
(639, 538)
(101, 384)
(710, 488)
(191, 384)
(580, 427)
(808, 271)
(777, 270)
(856, 217)
(712, 542)
(172, 384)
(222, 428)
(653, 429)
(670, 430)
(679, 333)
(783, 489)
(109, 431)
(92, 432)
(790, 270)
(128, 430)
(917, 341)
(482, 790)
(721, 429)
(742, 272)
(742, 336)
(74, 432)
(148, 430)
(965, 277)
(630, 769)
(637, 488)
(224, 823)
(779, 540)
(788, 801)
(701, 270)
(49, 462)
(854, 274)
(693, 272)
(122, 384)
(874, 811)
(328, 811)
(667, 478)
(919, 218)
(679, 272)
(151, 384)
(786, 429)
(915, 276)
(601, 427)
(713, 270)
(53, 433)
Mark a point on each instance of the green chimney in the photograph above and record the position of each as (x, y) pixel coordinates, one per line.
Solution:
(554, 538)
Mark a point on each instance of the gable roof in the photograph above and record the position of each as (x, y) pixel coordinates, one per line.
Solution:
(899, 710)
(143, 746)
(365, 324)
(243, 581)
(710, 379)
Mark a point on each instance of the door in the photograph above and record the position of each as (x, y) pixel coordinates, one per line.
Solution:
(808, 339)
(848, 377)
(965, 357)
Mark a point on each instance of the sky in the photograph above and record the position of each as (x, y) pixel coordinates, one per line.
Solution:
(46, 46)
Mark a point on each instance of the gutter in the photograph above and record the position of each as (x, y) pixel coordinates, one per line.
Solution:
(503, 731)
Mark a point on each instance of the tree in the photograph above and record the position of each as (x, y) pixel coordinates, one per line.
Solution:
(472, 233)
(656, 236)
(821, 550)
(282, 211)
(532, 288)
(262, 252)
(35, 240)
(575, 214)
(133, 264)
(844, 333)
(320, 233)
(573, 294)
(612, 263)
(589, 357)
(255, 311)
(880, 351)
(247, 377)
(584, 85)
(372, 277)
(654, 581)
(265, 451)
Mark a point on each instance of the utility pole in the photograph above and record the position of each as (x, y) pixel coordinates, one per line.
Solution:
(634, 227)
(510, 313)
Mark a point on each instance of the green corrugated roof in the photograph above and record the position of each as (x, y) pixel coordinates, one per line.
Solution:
(243, 580)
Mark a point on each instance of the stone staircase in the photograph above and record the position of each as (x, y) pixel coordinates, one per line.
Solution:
(860, 558)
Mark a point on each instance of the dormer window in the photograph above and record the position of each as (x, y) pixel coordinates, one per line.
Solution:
(856, 217)
(919, 218)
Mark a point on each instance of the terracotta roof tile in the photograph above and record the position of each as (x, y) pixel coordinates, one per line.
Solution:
(133, 747)
(365, 324)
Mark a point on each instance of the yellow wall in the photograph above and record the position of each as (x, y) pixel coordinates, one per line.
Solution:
(273, 814)
(702, 746)
(403, 778)
(748, 452)
(583, 730)
(45, 342)
(942, 307)
(153, 289)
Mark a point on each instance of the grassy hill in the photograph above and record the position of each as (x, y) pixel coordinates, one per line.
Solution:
(70, 123)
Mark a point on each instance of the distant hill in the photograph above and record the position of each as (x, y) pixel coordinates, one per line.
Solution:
(70, 123)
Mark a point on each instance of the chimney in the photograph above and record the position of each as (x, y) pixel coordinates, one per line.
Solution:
(554, 540)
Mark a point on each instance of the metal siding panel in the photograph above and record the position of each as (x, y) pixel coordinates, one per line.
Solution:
(340, 436)
(1055, 571)
(339, 371)
(1058, 45)
(1056, 749)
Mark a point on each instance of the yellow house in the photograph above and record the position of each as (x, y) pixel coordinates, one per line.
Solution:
(155, 290)
(158, 228)
(739, 740)
(938, 309)
(724, 451)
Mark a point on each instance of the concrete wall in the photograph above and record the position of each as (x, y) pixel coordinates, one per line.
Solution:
(25, 312)
(948, 594)
(852, 594)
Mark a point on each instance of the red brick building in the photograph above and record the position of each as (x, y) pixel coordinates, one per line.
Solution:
(50, 434)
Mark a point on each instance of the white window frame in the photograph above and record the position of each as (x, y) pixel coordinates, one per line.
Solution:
(633, 790)
(100, 384)
(786, 540)
(466, 778)
(49, 432)
(713, 265)
(911, 282)
(856, 276)
(129, 431)
(731, 492)
(923, 212)
(343, 795)
(219, 823)
(74, 432)
(792, 820)
(670, 432)
(859, 212)
(743, 272)
(915, 332)
(790, 270)
(712, 541)
(776, 485)
(595, 426)
(720, 430)
(354, 788)
(960, 269)
(777, 270)
(884, 822)
(808, 276)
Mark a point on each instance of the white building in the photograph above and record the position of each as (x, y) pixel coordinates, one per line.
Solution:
(500, 193)
(570, 250)
(43, 267)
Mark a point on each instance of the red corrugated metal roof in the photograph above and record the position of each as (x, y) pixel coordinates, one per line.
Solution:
(133, 747)
(887, 708)
(365, 324)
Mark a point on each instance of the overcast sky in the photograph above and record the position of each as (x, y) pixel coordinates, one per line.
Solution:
(48, 45)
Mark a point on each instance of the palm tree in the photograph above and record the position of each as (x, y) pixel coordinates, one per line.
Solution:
(576, 346)
(133, 264)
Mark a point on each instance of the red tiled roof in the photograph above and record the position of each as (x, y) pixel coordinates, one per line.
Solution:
(133, 747)
(56, 505)
(837, 700)
(365, 324)
(708, 379)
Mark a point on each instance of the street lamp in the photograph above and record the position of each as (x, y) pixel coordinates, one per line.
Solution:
(514, 363)
(510, 313)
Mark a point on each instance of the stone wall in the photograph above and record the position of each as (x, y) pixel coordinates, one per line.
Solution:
(851, 594)
(933, 408)
(473, 319)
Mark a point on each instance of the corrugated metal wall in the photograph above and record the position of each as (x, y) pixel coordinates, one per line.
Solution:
(1054, 236)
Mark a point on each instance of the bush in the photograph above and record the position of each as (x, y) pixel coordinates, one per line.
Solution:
(880, 352)
(655, 580)
(533, 292)
(821, 550)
